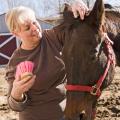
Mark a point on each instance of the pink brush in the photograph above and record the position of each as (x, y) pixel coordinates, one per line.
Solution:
(25, 66)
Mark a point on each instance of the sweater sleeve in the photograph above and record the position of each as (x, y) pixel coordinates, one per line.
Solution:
(56, 36)
(13, 104)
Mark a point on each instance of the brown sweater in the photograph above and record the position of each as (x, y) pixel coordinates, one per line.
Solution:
(42, 100)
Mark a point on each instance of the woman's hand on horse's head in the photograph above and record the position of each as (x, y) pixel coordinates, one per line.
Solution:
(79, 9)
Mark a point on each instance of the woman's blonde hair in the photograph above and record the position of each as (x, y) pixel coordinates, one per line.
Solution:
(17, 16)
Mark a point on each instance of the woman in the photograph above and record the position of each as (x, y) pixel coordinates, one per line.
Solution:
(37, 96)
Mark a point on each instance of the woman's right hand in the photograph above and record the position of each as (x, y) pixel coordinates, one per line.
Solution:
(21, 85)
(79, 8)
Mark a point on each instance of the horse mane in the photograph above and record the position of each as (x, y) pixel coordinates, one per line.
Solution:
(112, 26)
(112, 19)
(108, 6)
(115, 9)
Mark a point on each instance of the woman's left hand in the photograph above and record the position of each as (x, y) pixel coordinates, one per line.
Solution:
(79, 9)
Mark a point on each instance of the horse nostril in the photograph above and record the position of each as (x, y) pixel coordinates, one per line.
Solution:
(93, 58)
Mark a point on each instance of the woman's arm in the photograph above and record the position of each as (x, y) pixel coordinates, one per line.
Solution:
(17, 87)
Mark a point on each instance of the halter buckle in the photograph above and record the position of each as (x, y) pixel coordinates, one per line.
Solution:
(94, 90)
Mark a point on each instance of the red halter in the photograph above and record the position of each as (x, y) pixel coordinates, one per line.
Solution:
(95, 90)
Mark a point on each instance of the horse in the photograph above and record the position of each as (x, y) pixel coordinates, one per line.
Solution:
(89, 58)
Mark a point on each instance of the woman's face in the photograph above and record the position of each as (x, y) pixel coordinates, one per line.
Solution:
(30, 31)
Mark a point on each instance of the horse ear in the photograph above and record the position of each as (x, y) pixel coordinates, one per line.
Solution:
(68, 14)
(97, 14)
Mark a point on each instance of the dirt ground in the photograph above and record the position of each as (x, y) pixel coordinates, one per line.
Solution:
(108, 104)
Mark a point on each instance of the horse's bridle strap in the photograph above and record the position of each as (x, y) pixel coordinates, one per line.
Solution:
(82, 88)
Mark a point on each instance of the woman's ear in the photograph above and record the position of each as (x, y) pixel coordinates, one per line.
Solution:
(15, 33)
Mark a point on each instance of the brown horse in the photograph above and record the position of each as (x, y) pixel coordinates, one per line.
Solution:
(89, 59)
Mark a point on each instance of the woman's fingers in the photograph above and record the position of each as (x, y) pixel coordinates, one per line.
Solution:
(75, 13)
(26, 74)
(79, 9)
(26, 86)
(25, 79)
(81, 13)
